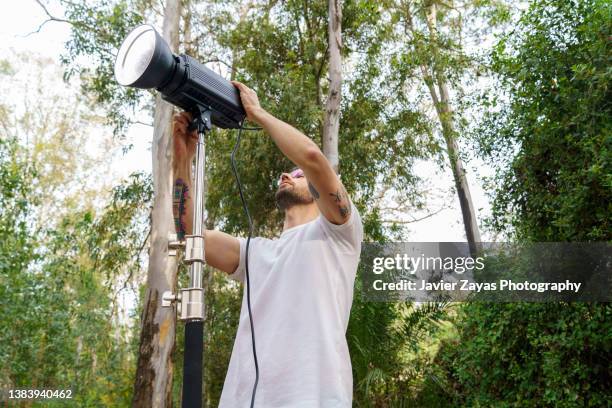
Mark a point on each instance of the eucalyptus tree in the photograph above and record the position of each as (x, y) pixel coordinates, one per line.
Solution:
(97, 30)
(331, 122)
(153, 382)
(433, 36)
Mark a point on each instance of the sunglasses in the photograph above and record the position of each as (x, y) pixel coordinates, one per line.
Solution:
(297, 173)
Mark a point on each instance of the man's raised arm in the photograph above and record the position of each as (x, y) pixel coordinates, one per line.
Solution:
(222, 251)
(325, 186)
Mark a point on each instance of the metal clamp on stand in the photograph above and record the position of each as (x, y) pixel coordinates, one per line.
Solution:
(194, 249)
(174, 244)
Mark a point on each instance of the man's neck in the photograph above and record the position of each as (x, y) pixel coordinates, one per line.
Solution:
(300, 214)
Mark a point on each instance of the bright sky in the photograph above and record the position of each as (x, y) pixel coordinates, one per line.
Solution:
(22, 17)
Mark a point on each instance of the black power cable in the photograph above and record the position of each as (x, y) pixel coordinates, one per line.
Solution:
(248, 282)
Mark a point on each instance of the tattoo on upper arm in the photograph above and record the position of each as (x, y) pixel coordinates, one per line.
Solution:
(345, 211)
(313, 191)
(342, 200)
(337, 196)
(179, 197)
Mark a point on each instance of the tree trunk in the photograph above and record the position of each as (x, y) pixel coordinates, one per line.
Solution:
(153, 382)
(461, 184)
(441, 100)
(331, 123)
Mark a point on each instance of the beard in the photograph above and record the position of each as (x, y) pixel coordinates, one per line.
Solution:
(288, 197)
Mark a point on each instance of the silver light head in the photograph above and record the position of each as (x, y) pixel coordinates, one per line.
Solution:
(144, 59)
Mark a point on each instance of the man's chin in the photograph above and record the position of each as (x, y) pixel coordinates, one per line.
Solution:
(287, 198)
(284, 190)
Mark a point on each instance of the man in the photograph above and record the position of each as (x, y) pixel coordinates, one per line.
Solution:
(301, 283)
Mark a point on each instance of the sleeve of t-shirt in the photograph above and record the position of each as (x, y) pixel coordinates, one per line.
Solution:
(240, 272)
(348, 235)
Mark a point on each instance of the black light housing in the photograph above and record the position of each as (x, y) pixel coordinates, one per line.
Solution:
(145, 61)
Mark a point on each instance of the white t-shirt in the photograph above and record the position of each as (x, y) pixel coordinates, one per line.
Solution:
(301, 296)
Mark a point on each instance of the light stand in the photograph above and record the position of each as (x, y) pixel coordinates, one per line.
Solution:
(145, 61)
(190, 300)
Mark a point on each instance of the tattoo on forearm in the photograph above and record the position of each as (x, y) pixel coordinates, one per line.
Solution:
(344, 206)
(313, 191)
(180, 195)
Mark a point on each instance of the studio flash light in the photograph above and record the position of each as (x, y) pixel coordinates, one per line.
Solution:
(145, 61)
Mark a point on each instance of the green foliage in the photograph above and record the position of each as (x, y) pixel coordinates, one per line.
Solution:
(98, 28)
(555, 67)
(551, 141)
(62, 262)
(17, 249)
(57, 285)
(517, 355)
(385, 342)
(61, 293)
